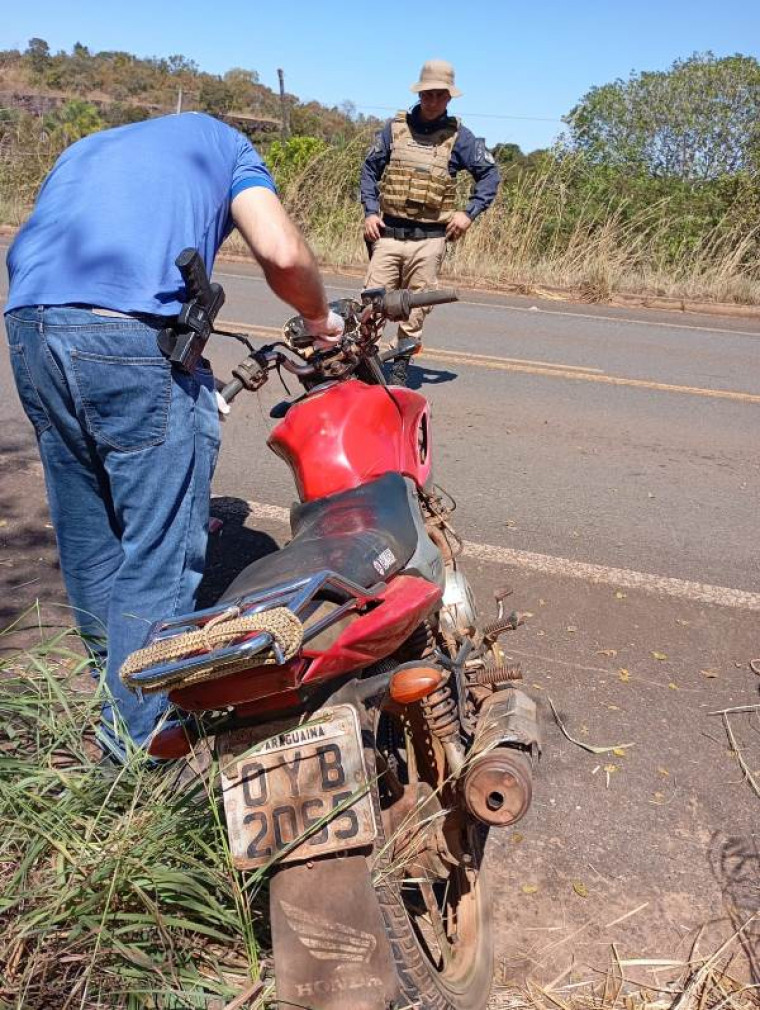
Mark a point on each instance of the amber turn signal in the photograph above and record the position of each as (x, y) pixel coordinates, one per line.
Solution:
(413, 683)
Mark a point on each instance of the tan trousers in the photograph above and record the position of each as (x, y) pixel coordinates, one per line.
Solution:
(397, 264)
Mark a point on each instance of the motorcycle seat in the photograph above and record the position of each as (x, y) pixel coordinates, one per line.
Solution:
(365, 534)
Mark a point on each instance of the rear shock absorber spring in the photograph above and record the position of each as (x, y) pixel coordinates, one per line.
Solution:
(420, 643)
(442, 717)
(440, 711)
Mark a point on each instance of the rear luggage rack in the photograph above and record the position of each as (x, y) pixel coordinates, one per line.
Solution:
(182, 650)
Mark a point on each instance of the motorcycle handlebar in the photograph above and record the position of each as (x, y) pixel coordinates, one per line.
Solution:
(231, 390)
(397, 305)
(252, 373)
(437, 297)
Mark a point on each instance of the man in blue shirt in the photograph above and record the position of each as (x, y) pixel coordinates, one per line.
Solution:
(129, 442)
(408, 189)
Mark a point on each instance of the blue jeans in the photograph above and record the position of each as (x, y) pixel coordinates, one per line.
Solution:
(128, 447)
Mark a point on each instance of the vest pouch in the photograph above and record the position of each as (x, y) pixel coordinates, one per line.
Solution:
(416, 183)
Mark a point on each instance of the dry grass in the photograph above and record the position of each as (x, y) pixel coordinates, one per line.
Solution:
(705, 983)
(535, 235)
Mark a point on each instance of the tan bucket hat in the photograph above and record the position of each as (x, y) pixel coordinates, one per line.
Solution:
(436, 75)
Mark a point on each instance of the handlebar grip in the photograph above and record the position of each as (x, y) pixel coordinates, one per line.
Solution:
(194, 275)
(231, 390)
(437, 297)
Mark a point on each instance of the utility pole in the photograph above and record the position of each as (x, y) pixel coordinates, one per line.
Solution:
(179, 100)
(284, 110)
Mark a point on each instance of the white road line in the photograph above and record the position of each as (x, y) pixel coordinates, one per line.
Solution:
(699, 592)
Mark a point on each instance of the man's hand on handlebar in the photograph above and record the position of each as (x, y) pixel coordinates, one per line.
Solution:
(326, 331)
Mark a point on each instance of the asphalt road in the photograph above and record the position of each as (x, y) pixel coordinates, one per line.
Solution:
(601, 436)
(547, 450)
(606, 464)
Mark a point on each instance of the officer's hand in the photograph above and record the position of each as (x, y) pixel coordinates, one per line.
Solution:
(327, 330)
(457, 226)
(373, 227)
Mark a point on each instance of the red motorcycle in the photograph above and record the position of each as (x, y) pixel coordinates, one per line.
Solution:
(368, 726)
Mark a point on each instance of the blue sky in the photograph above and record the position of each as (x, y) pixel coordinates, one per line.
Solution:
(517, 64)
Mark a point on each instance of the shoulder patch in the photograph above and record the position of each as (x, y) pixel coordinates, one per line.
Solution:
(482, 155)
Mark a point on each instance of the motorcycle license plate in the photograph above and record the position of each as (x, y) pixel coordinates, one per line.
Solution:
(310, 778)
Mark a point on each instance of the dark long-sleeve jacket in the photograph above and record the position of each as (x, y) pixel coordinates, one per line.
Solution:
(470, 154)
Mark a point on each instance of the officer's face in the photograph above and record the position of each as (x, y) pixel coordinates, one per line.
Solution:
(433, 103)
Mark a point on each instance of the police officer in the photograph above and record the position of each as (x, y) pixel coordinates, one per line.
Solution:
(408, 189)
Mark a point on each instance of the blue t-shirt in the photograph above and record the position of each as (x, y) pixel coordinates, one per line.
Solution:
(118, 208)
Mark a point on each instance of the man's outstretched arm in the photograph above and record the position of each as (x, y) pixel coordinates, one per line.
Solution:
(284, 255)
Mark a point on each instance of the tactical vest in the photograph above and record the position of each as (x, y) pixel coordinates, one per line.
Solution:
(416, 183)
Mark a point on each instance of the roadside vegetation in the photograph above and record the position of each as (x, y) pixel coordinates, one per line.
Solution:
(653, 187)
(116, 886)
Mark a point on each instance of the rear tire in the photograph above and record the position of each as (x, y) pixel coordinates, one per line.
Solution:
(466, 982)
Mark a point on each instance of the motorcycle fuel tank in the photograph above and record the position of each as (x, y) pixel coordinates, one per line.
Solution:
(343, 435)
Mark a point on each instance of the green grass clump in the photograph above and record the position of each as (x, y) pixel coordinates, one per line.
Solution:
(116, 886)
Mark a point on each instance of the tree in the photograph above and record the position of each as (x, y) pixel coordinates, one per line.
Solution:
(215, 96)
(508, 154)
(178, 64)
(698, 120)
(74, 120)
(38, 52)
(242, 87)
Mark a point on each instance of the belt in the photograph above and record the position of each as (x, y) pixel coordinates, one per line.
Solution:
(414, 233)
(141, 317)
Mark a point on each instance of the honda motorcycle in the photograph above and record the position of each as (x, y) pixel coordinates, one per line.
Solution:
(368, 726)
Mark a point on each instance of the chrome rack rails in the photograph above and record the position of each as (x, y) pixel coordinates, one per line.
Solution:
(295, 594)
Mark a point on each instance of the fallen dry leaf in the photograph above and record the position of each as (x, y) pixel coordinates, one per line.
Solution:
(529, 888)
(620, 596)
(516, 838)
(660, 655)
(580, 889)
(624, 675)
(673, 687)
(610, 769)
(618, 752)
(663, 771)
(710, 674)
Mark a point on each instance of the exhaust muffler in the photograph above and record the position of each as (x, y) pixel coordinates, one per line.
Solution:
(498, 778)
